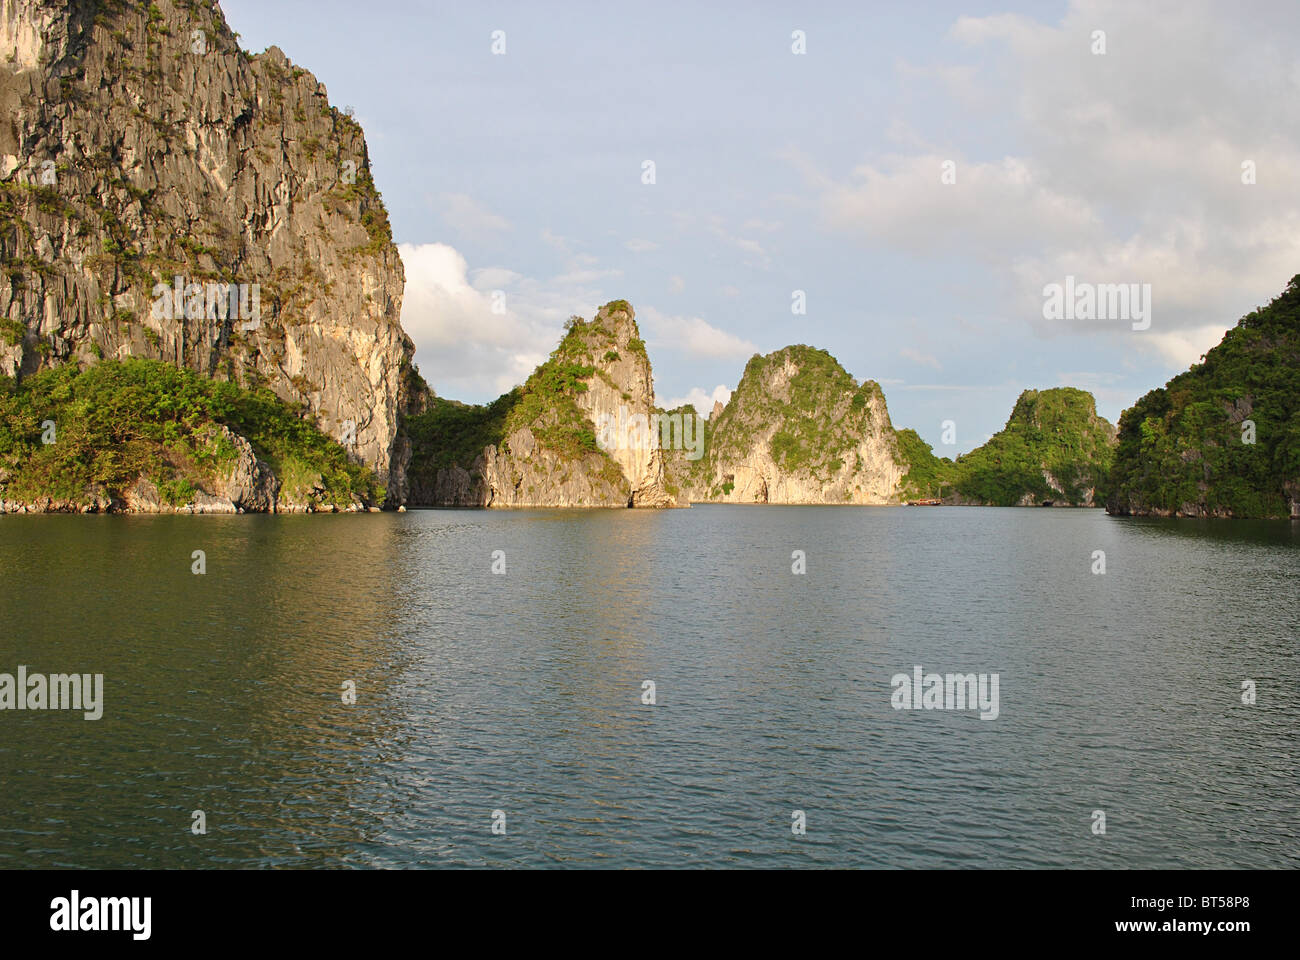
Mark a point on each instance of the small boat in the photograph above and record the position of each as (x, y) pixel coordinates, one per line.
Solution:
(924, 503)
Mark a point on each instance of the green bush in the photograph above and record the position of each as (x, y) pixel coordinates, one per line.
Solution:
(927, 474)
(117, 421)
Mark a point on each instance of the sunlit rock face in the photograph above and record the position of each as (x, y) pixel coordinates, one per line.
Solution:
(799, 429)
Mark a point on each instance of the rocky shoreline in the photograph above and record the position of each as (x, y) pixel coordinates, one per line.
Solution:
(205, 505)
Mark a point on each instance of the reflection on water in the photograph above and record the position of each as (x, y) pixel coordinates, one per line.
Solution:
(522, 692)
(1250, 532)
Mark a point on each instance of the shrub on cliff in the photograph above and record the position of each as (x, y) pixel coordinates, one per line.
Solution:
(456, 433)
(449, 432)
(927, 475)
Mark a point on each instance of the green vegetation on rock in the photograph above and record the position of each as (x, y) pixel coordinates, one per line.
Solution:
(1055, 432)
(118, 421)
(679, 469)
(1185, 448)
(821, 413)
(927, 475)
(547, 405)
(450, 433)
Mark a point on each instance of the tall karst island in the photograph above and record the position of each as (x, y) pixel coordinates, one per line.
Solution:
(200, 294)
(800, 429)
(538, 445)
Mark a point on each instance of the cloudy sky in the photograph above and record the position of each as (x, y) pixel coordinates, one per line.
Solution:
(518, 178)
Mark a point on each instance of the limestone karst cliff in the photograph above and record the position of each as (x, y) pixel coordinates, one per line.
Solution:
(164, 194)
(575, 434)
(798, 429)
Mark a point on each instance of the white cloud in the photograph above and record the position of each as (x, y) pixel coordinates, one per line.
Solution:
(469, 219)
(641, 246)
(1127, 166)
(692, 335)
(700, 399)
(468, 351)
(990, 209)
(554, 240)
(676, 284)
(1180, 348)
(464, 348)
(754, 253)
(462, 345)
(493, 278)
(916, 356)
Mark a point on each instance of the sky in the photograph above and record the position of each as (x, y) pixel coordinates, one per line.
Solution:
(918, 177)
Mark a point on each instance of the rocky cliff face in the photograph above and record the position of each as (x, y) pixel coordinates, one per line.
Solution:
(167, 195)
(800, 429)
(619, 400)
(523, 472)
(577, 434)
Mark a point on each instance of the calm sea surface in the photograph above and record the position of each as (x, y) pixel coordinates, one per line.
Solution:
(522, 692)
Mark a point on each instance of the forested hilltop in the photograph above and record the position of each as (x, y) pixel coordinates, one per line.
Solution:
(1222, 439)
(1055, 450)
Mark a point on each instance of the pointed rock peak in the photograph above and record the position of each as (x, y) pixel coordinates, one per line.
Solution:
(616, 307)
(612, 328)
(619, 319)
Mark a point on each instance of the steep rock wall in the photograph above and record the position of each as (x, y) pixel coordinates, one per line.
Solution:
(142, 145)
